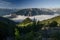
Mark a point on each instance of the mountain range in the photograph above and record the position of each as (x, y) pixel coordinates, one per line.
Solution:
(34, 11)
(29, 11)
(6, 11)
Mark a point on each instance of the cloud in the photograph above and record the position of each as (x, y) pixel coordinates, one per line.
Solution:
(4, 4)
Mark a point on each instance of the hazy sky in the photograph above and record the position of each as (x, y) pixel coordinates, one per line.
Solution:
(29, 3)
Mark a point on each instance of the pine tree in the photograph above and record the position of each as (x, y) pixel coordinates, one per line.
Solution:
(17, 34)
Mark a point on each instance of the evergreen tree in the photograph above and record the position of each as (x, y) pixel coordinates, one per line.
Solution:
(17, 34)
(53, 24)
(27, 20)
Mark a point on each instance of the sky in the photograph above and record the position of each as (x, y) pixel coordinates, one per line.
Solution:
(29, 4)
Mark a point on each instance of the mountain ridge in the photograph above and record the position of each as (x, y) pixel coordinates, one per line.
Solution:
(34, 11)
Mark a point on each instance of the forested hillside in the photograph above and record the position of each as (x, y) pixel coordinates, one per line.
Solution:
(30, 29)
(37, 30)
(7, 29)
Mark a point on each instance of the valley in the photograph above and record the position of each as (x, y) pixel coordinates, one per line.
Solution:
(30, 24)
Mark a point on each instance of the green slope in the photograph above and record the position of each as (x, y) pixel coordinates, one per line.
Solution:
(57, 19)
(45, 22)
(25, 22)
